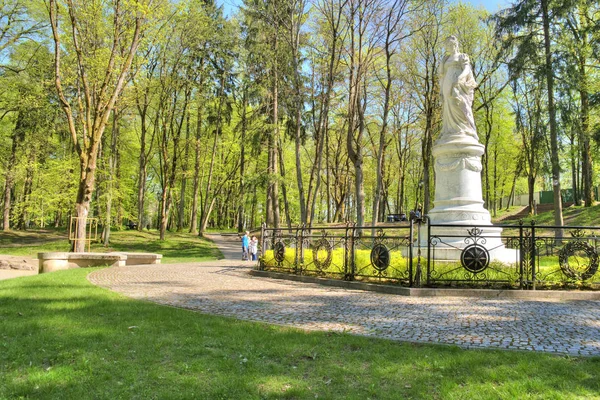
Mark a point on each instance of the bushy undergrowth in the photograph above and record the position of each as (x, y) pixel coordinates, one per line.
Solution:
(397, 268)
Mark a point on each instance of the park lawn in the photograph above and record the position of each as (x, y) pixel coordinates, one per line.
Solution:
(503, 213)
(572, 216)
(177, 247)
(63, 338)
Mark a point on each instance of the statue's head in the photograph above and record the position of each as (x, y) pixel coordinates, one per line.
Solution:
(451, 43)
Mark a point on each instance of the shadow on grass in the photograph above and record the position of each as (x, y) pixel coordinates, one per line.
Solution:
(177, 247)
(62, 337)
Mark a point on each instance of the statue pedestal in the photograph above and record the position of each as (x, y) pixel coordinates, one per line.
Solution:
(458, 198)
(459, 201)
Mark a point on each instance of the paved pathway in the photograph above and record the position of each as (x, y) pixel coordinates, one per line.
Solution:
(225, 288)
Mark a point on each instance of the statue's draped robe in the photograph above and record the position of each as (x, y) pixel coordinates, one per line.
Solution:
(457, 97)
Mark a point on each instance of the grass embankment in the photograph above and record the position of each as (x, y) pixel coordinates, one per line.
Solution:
(177, 247)
(572, 216)
(64, 338)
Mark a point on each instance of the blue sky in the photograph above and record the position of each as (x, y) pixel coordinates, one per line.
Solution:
(490, 5)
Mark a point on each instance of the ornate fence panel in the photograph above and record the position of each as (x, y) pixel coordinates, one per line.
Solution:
(419, 253)
(483, 256)
(384, 254)
(324, 251)
(562, 257)
(279, 249)
(345, 252)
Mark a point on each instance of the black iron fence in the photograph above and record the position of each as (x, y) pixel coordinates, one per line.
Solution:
(418, 253)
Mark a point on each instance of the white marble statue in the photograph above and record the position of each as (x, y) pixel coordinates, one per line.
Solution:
(457, 153)
(457, 85)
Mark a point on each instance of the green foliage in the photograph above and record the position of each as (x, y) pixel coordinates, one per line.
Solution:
(190, 50)
(362, 258)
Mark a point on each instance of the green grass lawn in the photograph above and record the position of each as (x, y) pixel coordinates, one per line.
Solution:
(177, 247)
(572, 215)
(503, 213)
(63, 338)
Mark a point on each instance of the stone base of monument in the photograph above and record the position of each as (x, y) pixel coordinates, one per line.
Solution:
(460, 226)
(449, 242)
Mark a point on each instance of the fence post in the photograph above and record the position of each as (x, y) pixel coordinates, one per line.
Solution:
(346, 252)
(410, 254)
(352, 253)
(263, 249)
(533, 254)
(521, 255)
(296, 253)
(428, 251)
(302, 247)
(273, 240)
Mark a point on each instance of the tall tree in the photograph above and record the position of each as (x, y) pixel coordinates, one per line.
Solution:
(91, 96)
(364, 30)
(326, 55)
(394, 33)
(523, 27)
(424, 81)
(577, 45)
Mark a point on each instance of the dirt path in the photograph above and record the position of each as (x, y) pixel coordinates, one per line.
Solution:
(15, 266)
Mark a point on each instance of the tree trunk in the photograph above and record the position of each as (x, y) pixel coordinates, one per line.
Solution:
(206, 209)
(27, 189)
(382, 136)
(10, 171)
(112, 159)
(299, 104)
(181, 220)
(322, 128)
(286, 206)
(495, 180)
(87, 180)
(196, 189)
(554, 156)
(531, 187)
(240, 217)
(142, 172)
(573, 153)
(586, 154)
(358, 166)
(275, 163)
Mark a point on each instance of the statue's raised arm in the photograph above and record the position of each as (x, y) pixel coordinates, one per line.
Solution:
(457, 85)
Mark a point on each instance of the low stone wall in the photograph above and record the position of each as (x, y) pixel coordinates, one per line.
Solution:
(141, 258)
(56, 261)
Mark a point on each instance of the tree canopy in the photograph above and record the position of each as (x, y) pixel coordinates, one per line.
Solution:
(172, 115)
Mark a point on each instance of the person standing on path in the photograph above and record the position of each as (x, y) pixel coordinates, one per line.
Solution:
(253, 247)
(245, 245)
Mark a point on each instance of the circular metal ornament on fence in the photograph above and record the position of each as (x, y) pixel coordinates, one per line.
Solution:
(380, 257)
(475, 258)
(279, 252)
(320, 246)
(586, 271)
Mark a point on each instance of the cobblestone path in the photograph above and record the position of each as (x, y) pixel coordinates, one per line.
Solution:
(224, 288)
